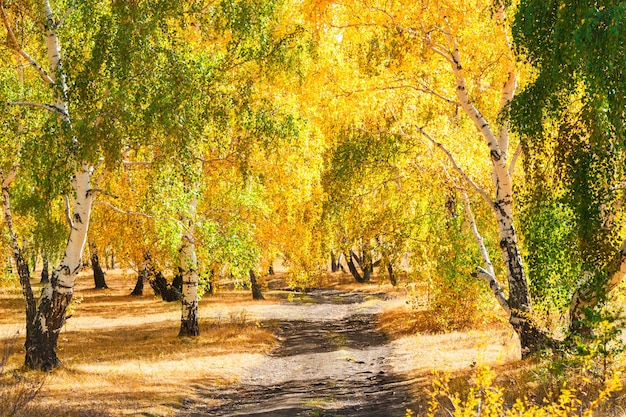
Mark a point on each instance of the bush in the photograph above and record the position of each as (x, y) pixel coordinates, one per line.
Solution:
(487, 400)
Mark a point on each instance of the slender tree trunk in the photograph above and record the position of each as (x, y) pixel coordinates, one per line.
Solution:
(45, 272)
(256, 288)
(41, 340)
(334, 264)
(392, 275)
(98, 273)
(352, 267)
(519, 302)
(190, 277)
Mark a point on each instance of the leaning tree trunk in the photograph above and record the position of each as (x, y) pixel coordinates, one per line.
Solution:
(41, 341)
(142, 277)
(98, 273)
(256, 288)
(190, 277)
(352, 267)
(519, 304)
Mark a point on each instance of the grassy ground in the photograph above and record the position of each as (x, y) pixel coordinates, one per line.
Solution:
(122, 356)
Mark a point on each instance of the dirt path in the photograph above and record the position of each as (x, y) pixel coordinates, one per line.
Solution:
(332, 363)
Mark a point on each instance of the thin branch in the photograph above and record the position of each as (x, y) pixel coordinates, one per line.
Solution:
(142, 163)
(513, 164)
(456, 166)
(48, 107)
(469, 213)
(42, 73)
(423, 89)
(496, 289)
(129, 213)
(138, 213)
(66, 15)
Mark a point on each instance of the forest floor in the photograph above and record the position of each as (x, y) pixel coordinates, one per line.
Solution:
(336, 351)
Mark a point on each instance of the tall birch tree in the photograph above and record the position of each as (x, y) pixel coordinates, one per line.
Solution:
(429, 62)
(104, 66)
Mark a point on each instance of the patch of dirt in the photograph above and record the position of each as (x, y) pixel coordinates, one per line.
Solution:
(331, 361)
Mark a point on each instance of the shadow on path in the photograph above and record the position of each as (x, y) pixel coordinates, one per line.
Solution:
(321, 368)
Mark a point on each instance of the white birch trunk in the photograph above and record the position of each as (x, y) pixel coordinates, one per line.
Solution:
(57, 294)
(189, 269)
(486, 273)
(519, 302)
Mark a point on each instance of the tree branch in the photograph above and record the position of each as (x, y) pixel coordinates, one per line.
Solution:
(42, 73)
(138, 213)
(479, 239)
(495, 287)
(48, 107)
(68, 214)
(66, 15)
(6, 181)
(456, 166)
(120, 211)
(513, 164)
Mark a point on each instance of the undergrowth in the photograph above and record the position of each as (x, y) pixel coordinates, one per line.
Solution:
(17, 391)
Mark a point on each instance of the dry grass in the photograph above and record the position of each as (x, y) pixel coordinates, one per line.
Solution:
(121, 354)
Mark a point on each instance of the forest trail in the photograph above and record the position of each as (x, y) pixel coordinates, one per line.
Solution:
(332, 363)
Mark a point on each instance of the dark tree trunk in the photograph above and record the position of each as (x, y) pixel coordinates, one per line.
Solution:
(177, 282)
(156, 283)
(334, 262)
(142, 276)
(532, 338)
(161, 287)
(352, 267)
(212, 283)
(112, 261)
(392, 276)
(98, 273)
(256, 288)
(45, 274)
(42, 333)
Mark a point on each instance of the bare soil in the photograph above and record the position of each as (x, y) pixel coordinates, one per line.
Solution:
(334, 363)
(323, 352)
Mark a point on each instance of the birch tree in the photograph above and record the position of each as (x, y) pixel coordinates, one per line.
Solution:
(97, 107)
(430, 63)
